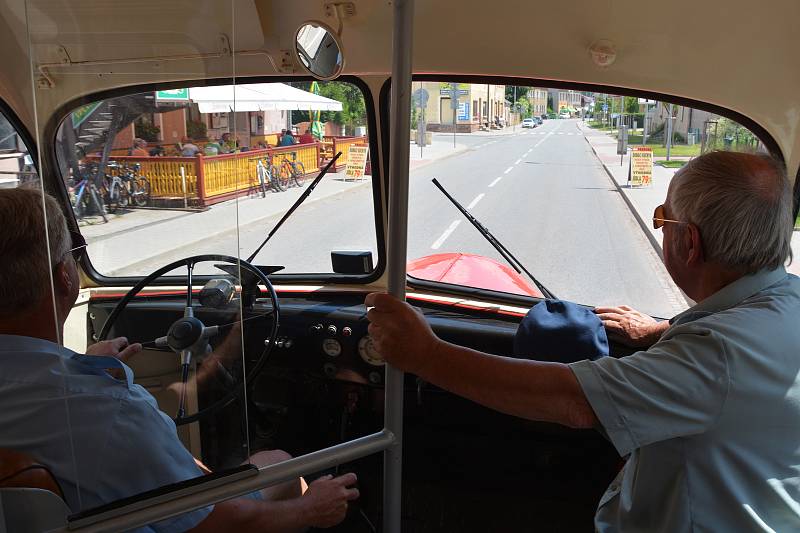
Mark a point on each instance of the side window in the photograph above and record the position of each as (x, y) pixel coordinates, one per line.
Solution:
(566, 180)
(16, 162)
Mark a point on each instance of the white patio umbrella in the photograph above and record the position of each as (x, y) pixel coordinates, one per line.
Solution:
(259, 97)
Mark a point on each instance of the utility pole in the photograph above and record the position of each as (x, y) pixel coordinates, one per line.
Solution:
(669, 130)
(515, 108)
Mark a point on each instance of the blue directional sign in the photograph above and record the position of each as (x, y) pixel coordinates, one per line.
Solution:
(463, 111)
(605, 108)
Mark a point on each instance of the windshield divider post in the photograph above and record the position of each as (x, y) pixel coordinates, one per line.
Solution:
(397, 243)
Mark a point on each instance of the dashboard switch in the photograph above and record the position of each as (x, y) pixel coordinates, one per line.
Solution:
(347, 332)
(288, 343)
(317, 328)
(330, 369)
(332, 330)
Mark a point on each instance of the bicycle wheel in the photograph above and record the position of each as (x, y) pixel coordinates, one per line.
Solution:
(123, 194)
(96, 198)
(275, 179)
(112, 197)
(262, 180)
(285, 174)
(141, 191)
(299, 174)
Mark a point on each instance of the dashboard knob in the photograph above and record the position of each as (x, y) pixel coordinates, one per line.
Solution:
(317, 328)
(279, 343)
(347, 332)
(331, 330)
(288, 343)
(375, 378)
(330, 369)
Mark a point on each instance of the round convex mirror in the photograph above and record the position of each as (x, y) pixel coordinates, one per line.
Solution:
(319, 50)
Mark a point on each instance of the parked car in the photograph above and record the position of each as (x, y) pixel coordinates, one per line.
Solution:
(563, 114)
(529, 123)
(538, 120)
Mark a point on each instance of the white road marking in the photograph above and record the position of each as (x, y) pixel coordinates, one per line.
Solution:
(509, 169)
(518, 161)
(543, 140)
(450, 229)
(492, 184)
(561, 133)
(474, 202)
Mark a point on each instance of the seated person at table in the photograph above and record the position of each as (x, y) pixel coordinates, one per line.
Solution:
(83, 417)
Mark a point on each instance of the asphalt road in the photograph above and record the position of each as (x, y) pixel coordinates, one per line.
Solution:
(541, 192)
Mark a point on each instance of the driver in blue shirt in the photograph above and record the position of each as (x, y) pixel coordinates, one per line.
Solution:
(82, 416)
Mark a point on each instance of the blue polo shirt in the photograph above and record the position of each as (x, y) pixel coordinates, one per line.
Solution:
(709, 416)
(103, 438)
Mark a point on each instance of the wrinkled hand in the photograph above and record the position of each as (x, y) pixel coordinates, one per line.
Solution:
(326, 499)
(118, 348)
(400, 333)
(630, 327)
(230, 349)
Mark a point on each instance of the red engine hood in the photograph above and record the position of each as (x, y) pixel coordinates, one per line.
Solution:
(471, 271)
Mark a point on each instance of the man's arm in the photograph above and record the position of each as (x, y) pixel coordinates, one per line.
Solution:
(323, 505)
(529, 389)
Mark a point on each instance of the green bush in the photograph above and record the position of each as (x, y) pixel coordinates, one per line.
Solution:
(147, 131)
(196, 129)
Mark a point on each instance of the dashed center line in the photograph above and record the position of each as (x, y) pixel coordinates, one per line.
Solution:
(543, 140)
(474, 202)
(518, 161)
(509, 169)
(492, 184)
(450, 229)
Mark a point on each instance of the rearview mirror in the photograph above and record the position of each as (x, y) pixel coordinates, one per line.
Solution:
(319, 50)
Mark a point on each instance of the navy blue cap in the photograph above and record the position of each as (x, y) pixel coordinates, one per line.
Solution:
(555, 330)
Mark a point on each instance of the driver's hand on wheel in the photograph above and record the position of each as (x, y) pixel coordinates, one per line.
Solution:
(631, 327)
(117, 347)
(325, 501)
(400, 333)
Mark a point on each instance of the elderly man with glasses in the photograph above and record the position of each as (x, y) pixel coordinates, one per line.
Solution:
(709, 415)
(101, 435)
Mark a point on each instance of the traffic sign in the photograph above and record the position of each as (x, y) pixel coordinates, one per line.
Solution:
(420, 98)
(173, 95)
(605, 108)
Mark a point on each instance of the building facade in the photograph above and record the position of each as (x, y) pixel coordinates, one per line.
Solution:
(478, 106)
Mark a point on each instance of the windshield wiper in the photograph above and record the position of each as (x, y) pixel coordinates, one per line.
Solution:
(502, 250)
(299, 201)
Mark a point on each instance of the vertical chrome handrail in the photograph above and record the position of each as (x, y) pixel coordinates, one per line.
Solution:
(399, 139)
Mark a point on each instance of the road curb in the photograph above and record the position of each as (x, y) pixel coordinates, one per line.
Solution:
(642, 224)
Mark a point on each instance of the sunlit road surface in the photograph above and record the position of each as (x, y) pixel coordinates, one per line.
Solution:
(540, 191)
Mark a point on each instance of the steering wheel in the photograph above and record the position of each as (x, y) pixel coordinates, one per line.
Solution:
(188, 336)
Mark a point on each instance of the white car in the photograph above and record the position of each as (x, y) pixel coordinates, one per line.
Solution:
(528, 123)
(563, 114)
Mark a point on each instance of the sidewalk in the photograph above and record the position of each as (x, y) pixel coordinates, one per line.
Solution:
(441, 147)
(643, 200)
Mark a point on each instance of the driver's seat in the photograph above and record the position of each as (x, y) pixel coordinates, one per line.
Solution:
(30, 497)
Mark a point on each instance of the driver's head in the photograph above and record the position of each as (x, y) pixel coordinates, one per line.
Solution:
(30, 220)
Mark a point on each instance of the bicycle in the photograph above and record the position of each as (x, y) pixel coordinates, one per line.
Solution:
(83, 201)
(267, 175)
(293, 170)
(117, 189)
(138, 185)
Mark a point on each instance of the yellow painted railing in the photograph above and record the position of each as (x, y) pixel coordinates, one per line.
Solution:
(213, 178)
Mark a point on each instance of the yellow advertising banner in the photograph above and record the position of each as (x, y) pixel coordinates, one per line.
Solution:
(356, 162)
(641, 166)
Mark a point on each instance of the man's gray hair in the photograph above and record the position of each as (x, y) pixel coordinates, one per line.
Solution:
(742, 205)
(24, 263)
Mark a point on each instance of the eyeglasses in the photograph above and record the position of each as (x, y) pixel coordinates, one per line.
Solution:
(659, 220)
(78, 245)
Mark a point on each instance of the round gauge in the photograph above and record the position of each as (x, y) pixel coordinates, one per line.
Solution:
(331, 347)
(368, 352)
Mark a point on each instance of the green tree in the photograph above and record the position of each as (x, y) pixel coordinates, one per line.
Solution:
(631, 104)
(354, 109)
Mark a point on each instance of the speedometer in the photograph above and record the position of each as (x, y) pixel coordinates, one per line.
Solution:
(368, 352)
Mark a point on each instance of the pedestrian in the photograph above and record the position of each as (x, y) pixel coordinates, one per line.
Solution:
(306, 138)
(212, 148)
(188, 148)
(139, 148)
(707, 415)
(287, 139)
